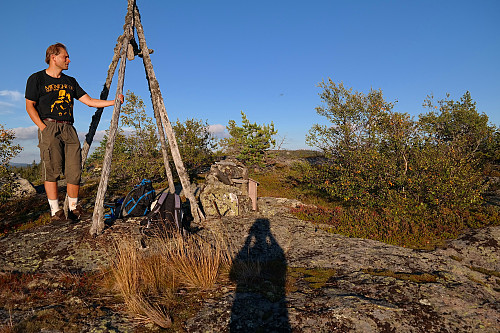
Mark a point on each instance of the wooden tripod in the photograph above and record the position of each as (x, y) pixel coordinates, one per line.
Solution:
(124, 42)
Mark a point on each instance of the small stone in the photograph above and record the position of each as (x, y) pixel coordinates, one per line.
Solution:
(424, 301)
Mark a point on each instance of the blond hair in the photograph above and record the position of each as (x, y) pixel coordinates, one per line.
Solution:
(54, 50)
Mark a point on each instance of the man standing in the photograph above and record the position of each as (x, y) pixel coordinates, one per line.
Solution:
(49, 103)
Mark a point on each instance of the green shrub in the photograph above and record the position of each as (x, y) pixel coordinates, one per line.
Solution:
(136, 153)
(31, 172)
(415, 227)
(196, 144)
(376, 157)
(8, 150)
(250, 143)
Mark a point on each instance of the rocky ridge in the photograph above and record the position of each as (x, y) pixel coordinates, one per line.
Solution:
(306, 279)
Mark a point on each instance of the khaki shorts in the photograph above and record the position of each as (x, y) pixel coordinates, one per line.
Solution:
(60, 152)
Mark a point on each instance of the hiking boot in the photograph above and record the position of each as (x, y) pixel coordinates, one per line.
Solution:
(78, 214)
(58, 217)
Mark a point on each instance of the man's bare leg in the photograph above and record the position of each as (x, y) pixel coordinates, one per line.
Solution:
(72, 190)
(51, 190)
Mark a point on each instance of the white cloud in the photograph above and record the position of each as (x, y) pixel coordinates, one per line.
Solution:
(12, 94)
(9, 99)
(26, 133)
(98, 136)
(218, 130)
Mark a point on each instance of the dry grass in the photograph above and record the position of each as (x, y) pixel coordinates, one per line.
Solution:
(148, 279)
(9, 327)
(195, 261)
(50, 301)
(246, 271)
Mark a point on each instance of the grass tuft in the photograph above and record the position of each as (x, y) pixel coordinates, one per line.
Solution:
(148, 280)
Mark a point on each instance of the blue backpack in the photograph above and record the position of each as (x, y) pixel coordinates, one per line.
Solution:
(138, 201)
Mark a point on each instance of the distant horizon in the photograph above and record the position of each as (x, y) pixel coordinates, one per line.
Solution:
(24, 164)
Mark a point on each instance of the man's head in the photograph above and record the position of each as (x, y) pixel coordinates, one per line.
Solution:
(57, 57)
(55, 49)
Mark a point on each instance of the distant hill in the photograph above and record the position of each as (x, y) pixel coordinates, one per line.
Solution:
(19, 165)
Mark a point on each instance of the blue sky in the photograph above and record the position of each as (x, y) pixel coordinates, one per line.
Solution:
(215, 58)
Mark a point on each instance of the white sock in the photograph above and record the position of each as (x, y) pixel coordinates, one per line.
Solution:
(72, 203)
(54, 206)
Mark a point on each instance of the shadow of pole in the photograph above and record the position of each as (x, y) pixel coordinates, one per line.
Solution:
(259, 271)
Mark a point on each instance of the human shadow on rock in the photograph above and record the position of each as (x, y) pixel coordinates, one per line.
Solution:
(259, 271)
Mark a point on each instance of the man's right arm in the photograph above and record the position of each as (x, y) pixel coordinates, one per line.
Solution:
(33, 113)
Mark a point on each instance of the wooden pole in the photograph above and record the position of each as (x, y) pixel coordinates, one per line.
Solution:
(164, 150)
(161, 134)
(96, 118)
(98, 216)
(158, 104)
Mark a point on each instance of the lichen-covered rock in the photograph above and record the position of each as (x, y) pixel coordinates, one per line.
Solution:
(65, 246)
(270, 206)
(20, 187)
(224, 200)
(225, 192)
(302, 278)
(232, 169)
(23, 187)
(340, 284)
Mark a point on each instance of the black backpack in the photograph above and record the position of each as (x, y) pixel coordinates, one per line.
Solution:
(139, 200)
(166, 214)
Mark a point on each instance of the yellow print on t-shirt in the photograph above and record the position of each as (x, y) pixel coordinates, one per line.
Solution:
(55, 87)
(62, 106)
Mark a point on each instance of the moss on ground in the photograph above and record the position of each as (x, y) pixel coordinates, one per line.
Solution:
(417, 277)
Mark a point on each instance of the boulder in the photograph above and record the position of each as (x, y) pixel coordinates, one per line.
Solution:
(20, 187)
(224, 200)
(23, 187)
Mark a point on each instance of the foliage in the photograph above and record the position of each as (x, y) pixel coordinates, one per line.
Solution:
(380, 158)
(31, 172)
(196, 144)
(249, 142)
(136, 153)
(8, 150)
(460, 125)
(416, 227)
(400, 223)
(354, 120)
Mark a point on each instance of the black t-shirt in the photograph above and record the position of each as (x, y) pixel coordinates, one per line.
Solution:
(53, 96)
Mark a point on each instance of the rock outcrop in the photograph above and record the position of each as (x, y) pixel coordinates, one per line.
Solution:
(339, 284)
(302, 278)
(20, 187)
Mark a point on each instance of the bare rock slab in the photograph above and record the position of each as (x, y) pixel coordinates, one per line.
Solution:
(338, 284)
